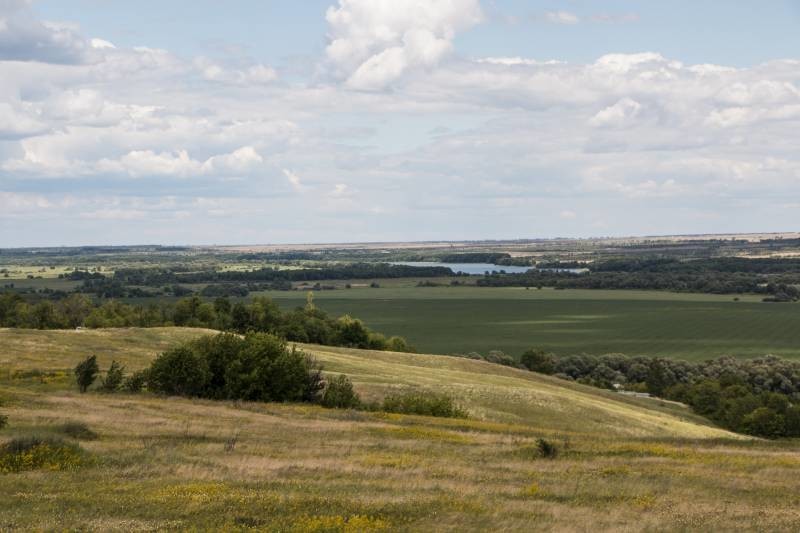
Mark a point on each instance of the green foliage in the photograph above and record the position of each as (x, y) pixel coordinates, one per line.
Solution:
(114, 378)
(423, 403)
(351, 332)
(499, 357)
(339, 393)
(86, 372)
(179, 371)
(398, 344)
(262, 314)
(764, 422)
(78, 431)
(135, 382)
(538, 361)
(258, 367)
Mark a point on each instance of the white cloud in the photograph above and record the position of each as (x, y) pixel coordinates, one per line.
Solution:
(458, 145)
(294, 181)
(16, 122)
(619, 114)
(374, 42)
(25, 38)
(101, 43)
(562, 17)
(139, 163)
(253, 75)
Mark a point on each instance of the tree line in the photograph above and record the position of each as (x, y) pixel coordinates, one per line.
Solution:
(754, 396)
(307, 324)
(162, 276)
(777, 282)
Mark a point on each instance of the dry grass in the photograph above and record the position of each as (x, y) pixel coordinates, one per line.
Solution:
(165, 463)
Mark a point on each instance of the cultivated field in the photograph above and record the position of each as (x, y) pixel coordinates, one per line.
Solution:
(465, 319)
(167, 463)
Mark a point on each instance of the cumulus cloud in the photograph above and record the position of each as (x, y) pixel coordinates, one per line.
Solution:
(619, 114)
(25, 38)
(17, 122)
(374, 42)
(251, 75)
(493, 142)
(138, 163)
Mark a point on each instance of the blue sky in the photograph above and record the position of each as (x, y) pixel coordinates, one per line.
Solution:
(206, 122)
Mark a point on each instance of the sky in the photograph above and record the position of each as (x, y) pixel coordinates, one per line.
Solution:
(277, 121)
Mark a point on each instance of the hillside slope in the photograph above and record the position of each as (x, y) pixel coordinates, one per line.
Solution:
(490, 392)
(173, 463)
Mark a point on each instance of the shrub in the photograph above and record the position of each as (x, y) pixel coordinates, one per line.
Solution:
(3, 420)
(32, 453)
(179, 371)
(315, 382)
(114, 378)
(764, 422)
(538, 361)
(78, 431)
(259, 367)
(398, 344)
(135, 382)
(423, 403)
(547, 449)
(86, 372)
(340, 393)
(500, 358)
(267, 370)
(351, 332)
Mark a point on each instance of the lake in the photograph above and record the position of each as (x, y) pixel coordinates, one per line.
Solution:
(467, 268)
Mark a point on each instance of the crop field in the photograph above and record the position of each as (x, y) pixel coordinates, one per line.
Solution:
(167, 463)
(465, 319)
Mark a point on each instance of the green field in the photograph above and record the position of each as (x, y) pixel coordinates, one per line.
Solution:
(464, 319)
(624, 464)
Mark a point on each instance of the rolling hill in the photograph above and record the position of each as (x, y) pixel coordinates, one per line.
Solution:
(172, 463)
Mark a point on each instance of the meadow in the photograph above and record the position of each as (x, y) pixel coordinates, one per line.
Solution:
(466, 319)
(166, 463)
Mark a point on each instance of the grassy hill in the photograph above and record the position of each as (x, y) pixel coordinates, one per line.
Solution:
(168, 463)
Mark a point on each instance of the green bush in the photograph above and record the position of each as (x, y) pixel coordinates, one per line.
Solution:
(114, 378)
(180, 372)
(86, 372)
(339, 393)
(78, 431)
(423, 403)
(135, 382)
(33, 453)
(764, 422)
(259, 367)
(538, 361)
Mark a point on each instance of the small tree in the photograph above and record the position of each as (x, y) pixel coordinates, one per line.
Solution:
(764, 422)
(114, 378)
(538, 361)
(135, 382)
(340, 393)
(86, 372)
